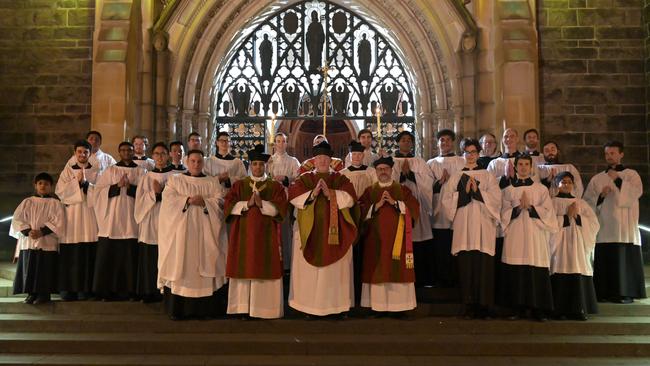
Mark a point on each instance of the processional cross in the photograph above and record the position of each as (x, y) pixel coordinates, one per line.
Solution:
(324, 69)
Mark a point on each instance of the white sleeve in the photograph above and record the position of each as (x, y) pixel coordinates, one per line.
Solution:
(300, 201)
(268, 209)
(239, 207)
(631, 189)
(343, 199)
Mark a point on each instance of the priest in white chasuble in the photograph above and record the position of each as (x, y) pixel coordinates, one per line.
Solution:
(321, 273)
(442, 167)
(471, 200)
(552, 166)
(572, 252)
(413, 172)
(223, 165)
(283, 168)
(148, 200)
(528, 220)
(117, 248)
(255, 208)
(388, 211)
(614, 195)
(192, 244)
(78, 245)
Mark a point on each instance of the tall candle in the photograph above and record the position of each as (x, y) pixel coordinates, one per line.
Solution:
(379, 125)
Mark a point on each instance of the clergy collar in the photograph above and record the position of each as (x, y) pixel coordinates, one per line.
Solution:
(510, 155)
(532, 153)
(49, 195)
(224, 157)
(618, 168)
(384, 185)
(448, 155)
(178, 167)
(399, 154)
(478, 167)
(564, 195)
(518, 182)
(76, 166)
(195, 176)
(143, 157)
(166, 169)
(353, 168)
(125, 165)
(259, 179)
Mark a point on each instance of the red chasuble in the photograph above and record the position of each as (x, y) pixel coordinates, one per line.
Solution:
(381, 232)
(314, 220)
(308, 165)
(255, 244)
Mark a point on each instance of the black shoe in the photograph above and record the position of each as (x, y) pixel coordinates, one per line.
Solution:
(581, 316)
(625, 300)
(42, 299)
(540, 316)
(30, 299)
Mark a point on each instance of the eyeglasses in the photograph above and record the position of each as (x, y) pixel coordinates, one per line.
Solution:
(473, 152)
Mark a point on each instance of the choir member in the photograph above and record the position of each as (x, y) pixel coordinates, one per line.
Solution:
(614, 195)
(365, 138)
(416, 175)
(443, 166)
(177, 156)
(531, 141)
(192, 243)
(147, 212)
(140, 144)
(194, 142)
(528, 219)
(117, 248)
(471, 200)
(552, 166)
(223, 164)
(37, 223)
(78, 246)
(97, 158)
(489, 150)
(572, 250)
(321, 272)
(389, 210)
(255, 208)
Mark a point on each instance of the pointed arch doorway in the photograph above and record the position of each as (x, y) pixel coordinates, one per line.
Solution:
(300, 135)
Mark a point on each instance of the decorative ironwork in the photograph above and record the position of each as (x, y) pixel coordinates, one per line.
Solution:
(276, 71)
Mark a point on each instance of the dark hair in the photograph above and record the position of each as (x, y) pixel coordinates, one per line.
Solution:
(446, 132)
(561, 175)
(195, 151)
(405, 133)
(82, 143)
(193, 134)
(280, 134)
(43, 176)
(552, 142)
(468, 141)
(141, 137)
(532, 130)
(614, 143)
(174, 143)
(124, 143)
(524, 157)
(362, 131)
(222, 133)
(160, 144)
(93, 132)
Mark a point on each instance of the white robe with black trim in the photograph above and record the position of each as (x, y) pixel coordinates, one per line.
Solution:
(35, 213)
(438, 165)
(422, 190)
(147, 208)
(80, 220)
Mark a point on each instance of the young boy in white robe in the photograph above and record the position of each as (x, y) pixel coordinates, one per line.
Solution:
(528, 219)
(471, 200)
(147, 211)
(78, 246)
(117, 248)
(37, 223)
(614, 195)
(552, 166)
(192, 244)
(572, 249)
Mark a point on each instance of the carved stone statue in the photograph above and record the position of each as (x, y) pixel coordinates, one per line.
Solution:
(340, 98)
(389, 97)
(266, 57)
(365, 57)
(315, 41)
(241, 97)
(290, 99)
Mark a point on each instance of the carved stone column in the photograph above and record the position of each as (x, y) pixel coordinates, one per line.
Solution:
(172, 123)
(186, 122)
(203, 122)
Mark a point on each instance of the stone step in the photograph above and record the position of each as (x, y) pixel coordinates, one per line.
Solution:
(292, 360)
(326, 344)
(25, 323)
(7, 270)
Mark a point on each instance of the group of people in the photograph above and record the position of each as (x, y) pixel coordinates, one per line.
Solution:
(215, 235)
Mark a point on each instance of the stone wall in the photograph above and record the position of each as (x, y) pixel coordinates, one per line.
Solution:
(592, 80)
(45, 89)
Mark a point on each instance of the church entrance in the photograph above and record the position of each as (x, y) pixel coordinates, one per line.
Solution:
(310, 59)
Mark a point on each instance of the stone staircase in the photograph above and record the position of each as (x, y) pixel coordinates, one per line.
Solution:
(131, 333)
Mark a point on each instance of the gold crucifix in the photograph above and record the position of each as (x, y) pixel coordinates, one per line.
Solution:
(324, 69)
